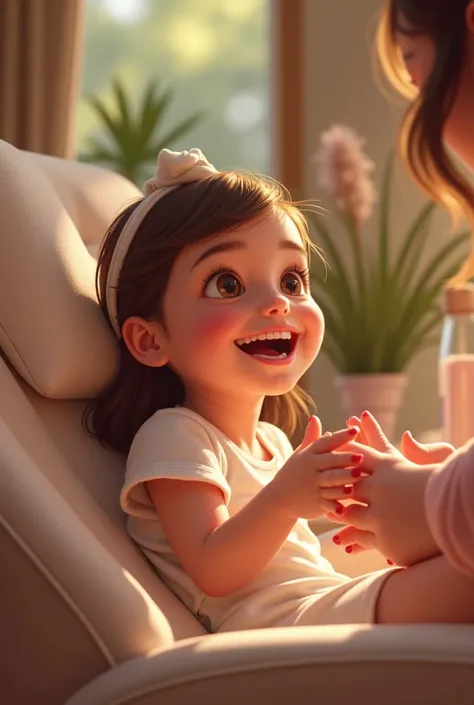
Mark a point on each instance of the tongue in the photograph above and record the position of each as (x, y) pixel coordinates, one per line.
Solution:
(260, 347)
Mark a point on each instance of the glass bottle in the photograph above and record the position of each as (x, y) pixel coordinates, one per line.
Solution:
(456, 365)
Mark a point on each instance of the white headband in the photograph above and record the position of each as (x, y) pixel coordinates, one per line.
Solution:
(173, 169)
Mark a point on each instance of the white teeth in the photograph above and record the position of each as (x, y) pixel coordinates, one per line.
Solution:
(285, 335)
(272, 357)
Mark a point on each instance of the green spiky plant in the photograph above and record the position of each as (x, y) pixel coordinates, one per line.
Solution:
(132, 132)
(383, 309)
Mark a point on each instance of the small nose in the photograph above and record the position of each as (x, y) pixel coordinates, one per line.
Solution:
(275, 305)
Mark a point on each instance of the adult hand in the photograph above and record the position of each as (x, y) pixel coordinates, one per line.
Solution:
(424, 453)
(389, 513)
(372, 434)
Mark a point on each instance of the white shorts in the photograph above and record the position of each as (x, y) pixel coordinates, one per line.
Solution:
(351, 601)
(354, 602)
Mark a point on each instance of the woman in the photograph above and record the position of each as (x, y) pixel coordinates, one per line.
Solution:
(426, 48)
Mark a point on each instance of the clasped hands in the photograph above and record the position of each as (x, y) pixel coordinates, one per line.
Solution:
(387, 506)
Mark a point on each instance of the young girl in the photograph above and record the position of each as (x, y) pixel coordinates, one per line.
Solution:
(205, 284)
(427, 50)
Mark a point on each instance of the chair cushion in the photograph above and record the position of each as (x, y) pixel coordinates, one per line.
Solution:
(51, 328)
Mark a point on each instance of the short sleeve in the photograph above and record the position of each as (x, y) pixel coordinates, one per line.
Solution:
(172, 444)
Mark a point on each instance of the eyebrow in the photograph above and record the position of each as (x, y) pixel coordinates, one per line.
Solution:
(240, 245)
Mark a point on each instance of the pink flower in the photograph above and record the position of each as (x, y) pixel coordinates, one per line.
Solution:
(343, 171)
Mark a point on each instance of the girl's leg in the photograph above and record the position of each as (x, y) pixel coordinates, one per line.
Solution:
(427, 592)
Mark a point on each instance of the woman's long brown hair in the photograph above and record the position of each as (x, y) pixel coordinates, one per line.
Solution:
(421, 134)
(191, 213)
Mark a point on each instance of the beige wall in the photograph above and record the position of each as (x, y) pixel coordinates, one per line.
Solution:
(340, 88)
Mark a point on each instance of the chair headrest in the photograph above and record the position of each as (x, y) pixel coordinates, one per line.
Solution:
(53, 215)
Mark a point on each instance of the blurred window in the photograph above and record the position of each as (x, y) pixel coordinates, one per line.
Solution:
(213, 54)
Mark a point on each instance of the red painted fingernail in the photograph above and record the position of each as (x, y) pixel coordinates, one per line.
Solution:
(356, 473)
(357, 457)
(352, 431)
(336, 540)
(339, 509)
(390, 562)
(348, 549)
(364, 414)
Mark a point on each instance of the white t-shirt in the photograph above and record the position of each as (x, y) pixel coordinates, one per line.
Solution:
(180, 444)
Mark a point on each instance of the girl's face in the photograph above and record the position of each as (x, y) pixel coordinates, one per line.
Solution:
(240, 319)
(419, 57)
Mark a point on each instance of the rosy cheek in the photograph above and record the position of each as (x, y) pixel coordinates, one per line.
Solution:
(216, 325)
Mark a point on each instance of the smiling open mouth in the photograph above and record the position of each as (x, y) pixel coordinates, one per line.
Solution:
(269, 345)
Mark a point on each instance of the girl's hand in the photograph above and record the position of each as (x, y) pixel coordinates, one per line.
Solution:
(389, 513)
(371, 434)
(318, 474)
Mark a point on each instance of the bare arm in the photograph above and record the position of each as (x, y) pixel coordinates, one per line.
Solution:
(222, 554)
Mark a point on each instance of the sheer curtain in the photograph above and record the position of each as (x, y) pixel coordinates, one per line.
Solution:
(41, 45)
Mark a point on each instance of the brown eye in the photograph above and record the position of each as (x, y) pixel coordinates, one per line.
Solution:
(224, 286)
(292, 284)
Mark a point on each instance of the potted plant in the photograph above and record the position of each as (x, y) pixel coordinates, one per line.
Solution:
(132, 134)
(381, 308)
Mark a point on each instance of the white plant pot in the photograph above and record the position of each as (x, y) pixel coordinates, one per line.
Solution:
(381, 394)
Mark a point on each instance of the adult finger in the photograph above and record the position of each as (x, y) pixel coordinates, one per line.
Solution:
(356, 514)
(374, 433)
(424, 454)
(338, 477)
(352, 536)
(326, 462)
(361, 491)
(330, 506)
(338, 492)
(354, 549)
(372, 458)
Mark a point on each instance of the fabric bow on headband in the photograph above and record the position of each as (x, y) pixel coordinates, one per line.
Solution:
(173, 169)
(176, 168)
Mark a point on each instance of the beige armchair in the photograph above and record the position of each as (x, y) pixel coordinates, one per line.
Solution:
(84, 619)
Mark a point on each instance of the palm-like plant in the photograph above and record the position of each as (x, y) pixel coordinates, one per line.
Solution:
(132, 135)
(383, 310)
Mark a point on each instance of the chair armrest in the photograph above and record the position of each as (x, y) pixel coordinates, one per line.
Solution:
(345, 563)
(413, 665)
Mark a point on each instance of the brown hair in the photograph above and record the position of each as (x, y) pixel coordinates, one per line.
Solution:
(188, 214)
(421, 134)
